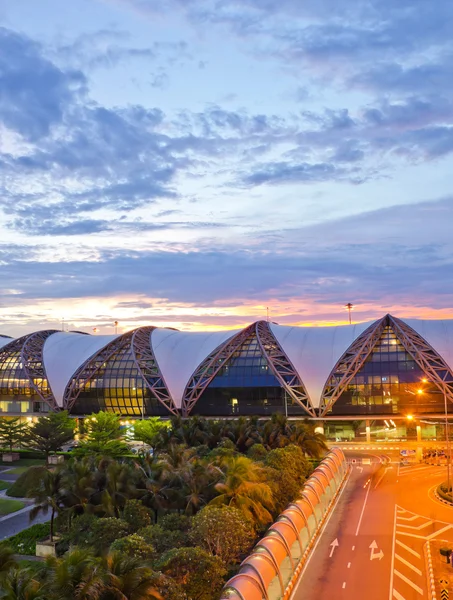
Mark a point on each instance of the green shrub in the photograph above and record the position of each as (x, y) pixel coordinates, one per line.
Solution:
(168, 588)
(137, 515)
(200, 574)
(25, 484)
(106, 531)
(135, 546)
(4, 485)
(25, 541)
(175, 522)
(163, 540)
(81, 530)
(257, 452)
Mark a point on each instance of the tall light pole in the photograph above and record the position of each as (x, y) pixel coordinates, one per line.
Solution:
(116, 327)
(349, 306)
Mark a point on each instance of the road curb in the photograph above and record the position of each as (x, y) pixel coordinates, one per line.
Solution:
(430, 572)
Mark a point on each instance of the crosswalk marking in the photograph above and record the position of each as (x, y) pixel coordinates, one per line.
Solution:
(408, 549)
(397, 595)
(409, 582)
(408, 564)
(418, 527)
(408, 518)
(430, 537)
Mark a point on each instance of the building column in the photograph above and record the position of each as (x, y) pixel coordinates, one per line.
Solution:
(419, 433)
(368, 431)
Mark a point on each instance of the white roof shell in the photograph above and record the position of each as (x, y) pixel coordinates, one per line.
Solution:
(64, 353)
(5, 340)
(314, 351)
(178, 354)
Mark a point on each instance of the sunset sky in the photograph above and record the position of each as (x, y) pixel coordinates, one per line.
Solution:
(189, 163)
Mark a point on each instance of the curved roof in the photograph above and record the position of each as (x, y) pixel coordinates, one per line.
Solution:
(179, 353)
(438, 334)
(314, 351)
(64, 353)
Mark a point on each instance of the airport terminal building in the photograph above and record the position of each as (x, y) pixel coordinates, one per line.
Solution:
(385, 369)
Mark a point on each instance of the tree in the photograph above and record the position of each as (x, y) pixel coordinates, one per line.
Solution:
(222, 531)
(78, 575)
(12, 432)
(133, 545)
(103, 436)
(105, 531)
(49, 495)
(200, 574)
(149, 431)
(20, 584)
(50, 433)
(7, 560)
(128, 578)
(163, 540)
(137, 515)
(243, 487)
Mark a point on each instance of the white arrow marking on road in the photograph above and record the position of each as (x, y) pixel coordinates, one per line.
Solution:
(334, 544)
(374, 554)
(361, 468)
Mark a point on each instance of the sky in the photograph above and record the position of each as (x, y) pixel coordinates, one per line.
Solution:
(202, 164)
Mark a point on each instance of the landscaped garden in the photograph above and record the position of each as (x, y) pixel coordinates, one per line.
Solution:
(172, 522)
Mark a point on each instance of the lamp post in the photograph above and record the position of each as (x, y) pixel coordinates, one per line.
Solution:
(349, 306)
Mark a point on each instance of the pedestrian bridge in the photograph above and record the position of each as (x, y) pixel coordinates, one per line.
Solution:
(270, 571)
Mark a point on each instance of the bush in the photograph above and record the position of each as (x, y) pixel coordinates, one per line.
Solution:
(198, 573)
(27, 482)
(163, 540)
(137, 515)
(175, 522)
(446, 552)
(25, 541)
(81, 530)
(105, 531)
(135, 546)
(168, 588)
(223, 531)
(257, 452)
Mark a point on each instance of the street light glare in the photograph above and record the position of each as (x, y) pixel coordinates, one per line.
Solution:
(409, 417)
(419, 391)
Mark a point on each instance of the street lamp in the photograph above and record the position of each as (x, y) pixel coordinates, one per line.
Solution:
(349, 307)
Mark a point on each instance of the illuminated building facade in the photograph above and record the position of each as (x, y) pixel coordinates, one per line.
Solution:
(389, 368)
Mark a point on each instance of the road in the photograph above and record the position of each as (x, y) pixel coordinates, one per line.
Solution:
(383, 518)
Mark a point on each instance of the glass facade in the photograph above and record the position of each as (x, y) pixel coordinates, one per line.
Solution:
(245, 385)
(389, 383)
(117, 387)
(16, 394)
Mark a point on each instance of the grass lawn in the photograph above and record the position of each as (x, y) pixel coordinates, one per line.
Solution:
(10, 506)
(20, 466)
(4, 485)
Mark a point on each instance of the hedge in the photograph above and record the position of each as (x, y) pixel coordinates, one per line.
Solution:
(443, 494)
(25, 542)
(26, 482)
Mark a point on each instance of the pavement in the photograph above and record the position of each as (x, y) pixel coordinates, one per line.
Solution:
(373, 544)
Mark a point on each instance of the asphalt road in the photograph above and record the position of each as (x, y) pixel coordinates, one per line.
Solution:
(382, 520)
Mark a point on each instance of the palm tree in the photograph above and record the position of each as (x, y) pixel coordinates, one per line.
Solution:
(242, 487)
(311, 442)
(19, 584)
(7, 560)
(78, 486)
(128, 578)
(77, 576)
(49, 495)
(114, 483)
(151, 488)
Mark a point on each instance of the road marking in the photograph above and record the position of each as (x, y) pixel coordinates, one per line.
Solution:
(397, 595)
(353, 547)
(363, 510)
(408, 549)
(413, 535)
(408, 564)
(349, 565)
(430, 537)
(393, 553)
(374, 554)
(344, 584)
(413, 518)
(334, 544)
(409, 582)
(416, 527)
